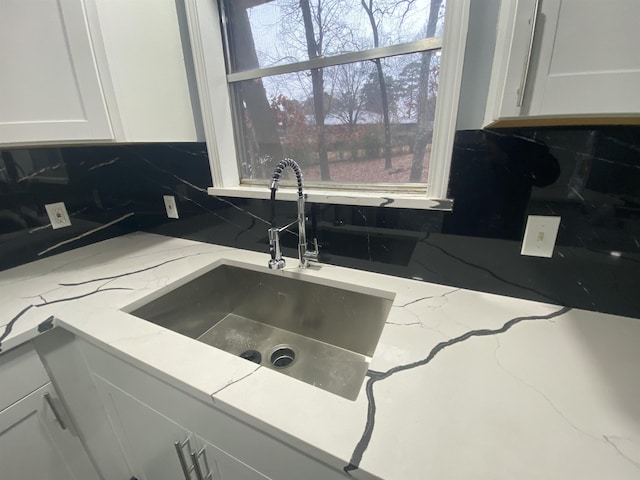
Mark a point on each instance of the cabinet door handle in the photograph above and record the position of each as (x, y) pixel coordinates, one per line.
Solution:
(527, 61)
(183, 462)
(54, 409)
(195, 459)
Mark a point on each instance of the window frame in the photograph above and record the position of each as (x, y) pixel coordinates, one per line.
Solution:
(207, 47)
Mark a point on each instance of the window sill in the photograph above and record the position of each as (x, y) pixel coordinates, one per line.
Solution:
(364, 199)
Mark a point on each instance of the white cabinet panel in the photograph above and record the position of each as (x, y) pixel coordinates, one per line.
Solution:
(594, 36)
(224, 467)
(240, 442)
(146, 437)
(149, 442)
(594, 66)
(49, 84)
(580, 58)
(34, 446)
(21, 373)
(82, 71)
(67, 369)
(148, 75)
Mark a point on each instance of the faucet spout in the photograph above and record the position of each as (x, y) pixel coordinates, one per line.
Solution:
(304, 255)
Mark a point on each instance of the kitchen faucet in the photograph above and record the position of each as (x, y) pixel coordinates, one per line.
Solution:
(305, 256)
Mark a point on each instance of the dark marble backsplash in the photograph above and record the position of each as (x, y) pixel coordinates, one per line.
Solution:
(590, 177)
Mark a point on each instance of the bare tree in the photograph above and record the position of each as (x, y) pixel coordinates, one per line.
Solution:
(308, 29)
(424, 134)
(314, 49)
(350, 78)
(369, 9)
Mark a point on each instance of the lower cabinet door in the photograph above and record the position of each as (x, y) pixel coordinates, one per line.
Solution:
(38, 442)
(157, 448)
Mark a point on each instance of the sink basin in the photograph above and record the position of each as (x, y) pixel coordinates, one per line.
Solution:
(323, 335)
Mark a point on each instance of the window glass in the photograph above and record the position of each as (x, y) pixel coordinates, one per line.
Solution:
(353, 127)
(275, 33)
(364, 118)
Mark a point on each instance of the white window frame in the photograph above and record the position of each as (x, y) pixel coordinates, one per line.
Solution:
(208, 54)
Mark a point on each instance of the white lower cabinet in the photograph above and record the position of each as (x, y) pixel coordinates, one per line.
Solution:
(150, 416)
(37, 437)
(157, 448)
(36, 444)
(223, 466)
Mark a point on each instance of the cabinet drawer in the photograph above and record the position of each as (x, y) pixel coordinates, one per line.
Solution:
(21, 372)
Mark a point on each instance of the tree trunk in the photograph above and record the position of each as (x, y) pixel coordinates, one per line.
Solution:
(385, 115)
(383, 85)
(317, 82)
(424, 134)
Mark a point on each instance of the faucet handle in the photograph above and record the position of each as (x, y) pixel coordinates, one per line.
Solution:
(312, 255)
(282, 229)
(276, 262)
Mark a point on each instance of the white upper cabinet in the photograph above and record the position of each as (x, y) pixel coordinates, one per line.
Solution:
(49, 85)
(89, 71)
(144, 57)
(559, 59)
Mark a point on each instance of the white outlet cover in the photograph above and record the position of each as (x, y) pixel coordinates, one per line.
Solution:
(170, 206)
(540, 236)
(58, 215)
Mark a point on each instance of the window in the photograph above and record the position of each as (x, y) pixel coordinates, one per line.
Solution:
(361, 93)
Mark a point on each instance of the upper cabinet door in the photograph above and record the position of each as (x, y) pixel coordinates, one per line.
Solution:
(566, 58)
(50, 90)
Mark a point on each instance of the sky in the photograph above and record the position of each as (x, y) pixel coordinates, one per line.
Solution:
(281, 41)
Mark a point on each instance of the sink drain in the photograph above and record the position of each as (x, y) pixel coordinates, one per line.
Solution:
(282, 356)
(252, 355)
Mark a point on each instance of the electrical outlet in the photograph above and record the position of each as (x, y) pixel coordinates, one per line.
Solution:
(540, 236)
(58, 215)
(170, 206)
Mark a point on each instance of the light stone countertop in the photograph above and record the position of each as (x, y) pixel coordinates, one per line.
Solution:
(463, 384)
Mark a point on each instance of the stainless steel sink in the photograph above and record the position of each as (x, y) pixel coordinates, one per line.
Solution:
(322, 335)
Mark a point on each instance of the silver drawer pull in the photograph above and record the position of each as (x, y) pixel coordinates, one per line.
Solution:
(527, 62)
(195, 459)
(53, 408)
(183, 462)
(196, 466)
